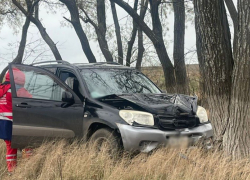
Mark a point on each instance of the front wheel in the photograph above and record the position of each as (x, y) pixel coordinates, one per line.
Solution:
(105, 139)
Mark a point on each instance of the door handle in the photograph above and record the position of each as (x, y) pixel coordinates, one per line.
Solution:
(23, 105)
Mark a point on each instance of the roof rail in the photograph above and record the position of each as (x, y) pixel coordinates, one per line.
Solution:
(115, 63)
(98, 63)
(55, 61)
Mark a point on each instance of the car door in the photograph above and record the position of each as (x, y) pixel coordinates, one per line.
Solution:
(38, 110)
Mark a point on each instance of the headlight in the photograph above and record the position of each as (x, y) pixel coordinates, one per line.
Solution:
(202, 114)
(140, 117)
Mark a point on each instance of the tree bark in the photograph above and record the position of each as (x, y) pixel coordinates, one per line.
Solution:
(234, 15)
(40, 27)
(179, 42)
(215, 60)
(156, 37)
(102, 29)
(237, 136)
(132, 39)
(75, 21)
(141, 48)
(118, 33)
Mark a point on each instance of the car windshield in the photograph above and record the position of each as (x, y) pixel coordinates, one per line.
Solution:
(103, 82)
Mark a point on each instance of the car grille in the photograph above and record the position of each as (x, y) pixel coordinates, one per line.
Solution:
(170, 123)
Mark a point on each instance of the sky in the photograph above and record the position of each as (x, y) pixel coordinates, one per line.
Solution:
(68, 42)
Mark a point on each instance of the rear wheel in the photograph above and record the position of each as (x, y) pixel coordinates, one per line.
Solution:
(107, 140)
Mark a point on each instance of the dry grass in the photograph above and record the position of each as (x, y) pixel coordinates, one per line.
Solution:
(77, 161)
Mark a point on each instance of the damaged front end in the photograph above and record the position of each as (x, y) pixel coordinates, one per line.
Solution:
(154, 119)
(170, 112)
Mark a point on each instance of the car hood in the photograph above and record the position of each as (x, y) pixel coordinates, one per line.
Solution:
(159, 104)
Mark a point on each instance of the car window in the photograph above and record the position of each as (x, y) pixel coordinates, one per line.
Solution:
(71, 80)
(36, 84)
(103, 82)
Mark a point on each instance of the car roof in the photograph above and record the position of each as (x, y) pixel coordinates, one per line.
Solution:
(60, 63)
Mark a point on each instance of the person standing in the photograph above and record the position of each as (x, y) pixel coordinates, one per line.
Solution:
(6, 116)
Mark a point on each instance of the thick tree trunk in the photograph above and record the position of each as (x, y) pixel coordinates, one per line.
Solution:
(237, 136)
(179, 42)
(118, 33)
(234, 15)
(132, 39)
(75, 21)
(156, 37)
(215, 60)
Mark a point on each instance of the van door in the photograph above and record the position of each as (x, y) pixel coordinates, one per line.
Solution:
(40, 111)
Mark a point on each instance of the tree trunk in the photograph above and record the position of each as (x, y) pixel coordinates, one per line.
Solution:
(234, 15)
(47, 38)
(141, 48)
(161, 49)
(215, 60)
(118, 33)
(132, 39)
(75, 21)
(156, 37)
(40, 27)
(102, 29)
(179, 42)
(18, 59)
(237, 136)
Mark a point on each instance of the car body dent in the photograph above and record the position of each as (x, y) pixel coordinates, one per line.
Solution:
(146, 139)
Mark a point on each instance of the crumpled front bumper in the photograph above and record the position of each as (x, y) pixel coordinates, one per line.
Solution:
(146, 139)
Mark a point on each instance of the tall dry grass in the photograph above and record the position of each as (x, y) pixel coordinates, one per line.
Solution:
(78, 161)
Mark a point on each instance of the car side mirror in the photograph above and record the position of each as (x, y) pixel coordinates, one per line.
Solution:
(67, 97)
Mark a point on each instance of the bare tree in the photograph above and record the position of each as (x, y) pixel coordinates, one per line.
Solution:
(141, 49)
(18, 59)
(75, 21)
(179, 42)
(39, 25)
(118, 33)
(156, 37)
(133, 36)
(10, 15)
(100, 28)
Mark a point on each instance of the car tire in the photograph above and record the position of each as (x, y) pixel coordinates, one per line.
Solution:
(107, 140)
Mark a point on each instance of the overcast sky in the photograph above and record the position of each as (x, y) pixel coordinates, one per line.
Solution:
(68, 42)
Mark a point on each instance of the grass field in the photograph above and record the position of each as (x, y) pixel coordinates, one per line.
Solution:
(78, 161)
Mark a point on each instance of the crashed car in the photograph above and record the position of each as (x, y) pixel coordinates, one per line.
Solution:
(101, 101)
